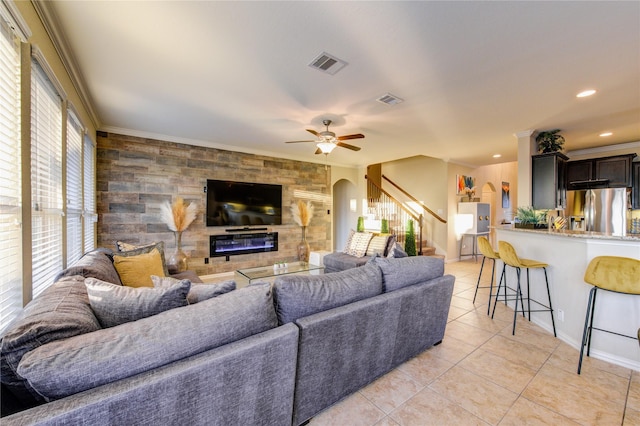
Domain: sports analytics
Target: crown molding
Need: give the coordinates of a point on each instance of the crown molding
(606, 148)
(52, 26)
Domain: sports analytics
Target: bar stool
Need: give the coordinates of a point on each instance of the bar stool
(610, 273)
(488, 253)
(509, 257)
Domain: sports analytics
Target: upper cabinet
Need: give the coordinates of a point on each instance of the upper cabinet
(607, 172)
(548, 180)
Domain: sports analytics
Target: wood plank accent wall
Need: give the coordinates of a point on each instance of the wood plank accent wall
(135, 175)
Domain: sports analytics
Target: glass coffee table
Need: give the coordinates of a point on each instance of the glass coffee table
(269, 273)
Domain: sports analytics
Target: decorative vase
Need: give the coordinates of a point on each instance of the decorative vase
(303, 247)
(178, 260)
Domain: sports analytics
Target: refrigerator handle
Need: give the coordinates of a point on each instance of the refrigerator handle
(588, 210)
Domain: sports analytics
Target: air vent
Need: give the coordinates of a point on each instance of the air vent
(389, 99)
(327, 63)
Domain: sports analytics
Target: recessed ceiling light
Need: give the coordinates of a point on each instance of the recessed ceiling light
(605, 134)
(585, 93)
(497, 155)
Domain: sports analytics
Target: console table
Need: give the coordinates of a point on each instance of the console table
(269, 273)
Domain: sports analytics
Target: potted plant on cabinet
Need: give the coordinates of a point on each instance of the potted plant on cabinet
(549, 141)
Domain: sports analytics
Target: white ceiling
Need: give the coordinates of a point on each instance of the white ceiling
(235, 75)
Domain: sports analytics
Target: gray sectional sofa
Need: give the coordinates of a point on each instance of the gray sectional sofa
(266, 354)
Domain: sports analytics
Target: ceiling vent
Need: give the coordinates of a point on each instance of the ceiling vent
(327, 63)
(389, 99)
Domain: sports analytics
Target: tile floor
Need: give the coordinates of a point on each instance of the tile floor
(481, 375)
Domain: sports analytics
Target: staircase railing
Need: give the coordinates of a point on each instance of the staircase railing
(384, 206)
(412, 198)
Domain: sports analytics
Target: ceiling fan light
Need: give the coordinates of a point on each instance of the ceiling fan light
(326, 147)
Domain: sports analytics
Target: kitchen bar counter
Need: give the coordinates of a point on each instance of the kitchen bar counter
(568, 253)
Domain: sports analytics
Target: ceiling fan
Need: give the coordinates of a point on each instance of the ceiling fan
(327, 140)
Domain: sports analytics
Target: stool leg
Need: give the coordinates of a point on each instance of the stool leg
(493, 274)
(587, 326)
(515, 310)
(593, 310)
(479, 276)
(528, 297)
(504, 266)
(553, 322)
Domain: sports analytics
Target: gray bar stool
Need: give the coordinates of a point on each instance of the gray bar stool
(610, 273)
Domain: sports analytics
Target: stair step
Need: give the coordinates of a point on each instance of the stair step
(428, 251)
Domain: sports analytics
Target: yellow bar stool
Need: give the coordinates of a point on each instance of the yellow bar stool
(487, 253)
(610, 273)
(509, 257)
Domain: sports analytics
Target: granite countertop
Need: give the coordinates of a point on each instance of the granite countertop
(573, 234)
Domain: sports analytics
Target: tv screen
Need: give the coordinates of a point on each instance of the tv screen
(243, 204)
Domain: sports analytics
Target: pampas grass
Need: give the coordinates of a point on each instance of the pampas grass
(178, 216)
(302, 212)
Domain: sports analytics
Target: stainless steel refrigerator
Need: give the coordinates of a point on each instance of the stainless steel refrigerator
(599, 210)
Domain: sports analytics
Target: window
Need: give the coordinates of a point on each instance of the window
(89, 213)
(10, 196)
(46, 180)
(74, 189)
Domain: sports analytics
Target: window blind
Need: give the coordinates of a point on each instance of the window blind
(74, 189)
(89, 213)
(10, 196)
(46, 180)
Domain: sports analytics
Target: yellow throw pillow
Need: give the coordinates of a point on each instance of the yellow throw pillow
(136, 271)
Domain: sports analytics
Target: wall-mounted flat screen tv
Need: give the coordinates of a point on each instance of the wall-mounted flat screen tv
(243, 204)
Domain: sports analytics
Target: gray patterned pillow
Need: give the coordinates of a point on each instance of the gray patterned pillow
(114, 304)
(347, 245)
(148, 249)
(198, 292)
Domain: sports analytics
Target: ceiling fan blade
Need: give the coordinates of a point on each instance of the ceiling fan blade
(318, 151)
(313, 132)
(298, 141)
(351, 147)
(347, 137)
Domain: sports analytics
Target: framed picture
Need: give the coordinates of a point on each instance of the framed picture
(465, 185)
(505, 195)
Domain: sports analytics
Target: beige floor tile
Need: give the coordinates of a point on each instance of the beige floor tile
(529, 333)
(429, 408)
(566, 358)
(527, 355)
(387, 421)
(475, 394)
(633, 400)
(425, 367)
(355, 410)
(573, 397)
(460, 302)
(479, 319)
(508, 374)
(391, 390)
(525, 412)
(455, 313)
(452, 350)
(467, 333)
(631, 417)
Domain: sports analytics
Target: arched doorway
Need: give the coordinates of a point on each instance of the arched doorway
(489, 196)
(345, 211)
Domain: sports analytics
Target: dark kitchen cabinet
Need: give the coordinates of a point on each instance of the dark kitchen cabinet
(606, 172)
(635, 192)
(548, 181)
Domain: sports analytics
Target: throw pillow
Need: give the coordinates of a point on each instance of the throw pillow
(396, 251)
(198, 292)
(359, 244)
(136, 271)
(377, 245)
(348, 243)
(121, 246)
(146, 249)
(114, 304)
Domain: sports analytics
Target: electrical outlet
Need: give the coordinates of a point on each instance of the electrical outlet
(206, 260)
(560, 315)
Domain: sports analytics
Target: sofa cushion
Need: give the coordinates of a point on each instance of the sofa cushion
(60, 312)
(82, 362)
(396, 251)
(359, 244)
(298, 296)
(94, 264)
(136, 270)
(406, 271)
(116, 304)
(339, 261)
(198, 292)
